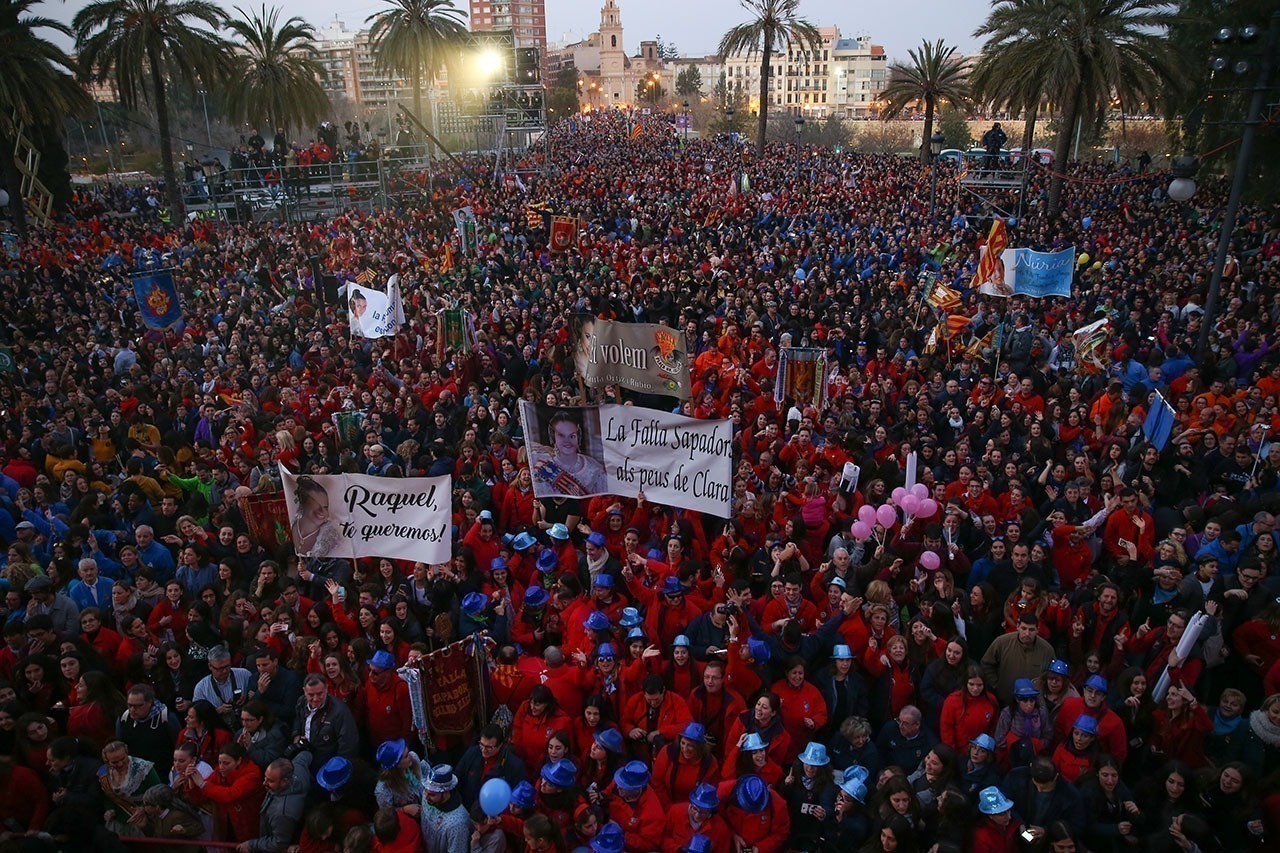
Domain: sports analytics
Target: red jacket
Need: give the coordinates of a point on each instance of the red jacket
(1111, 734)
(674, 778)
(642, 821)
(529, 734)
(408, 838)
(797, 704)
(990, 838)
(679, 831)
(388, 714)
(671, 718)
(1181, 739)
(238, 798)
(767, 832)
(777, 610)
(965, 717)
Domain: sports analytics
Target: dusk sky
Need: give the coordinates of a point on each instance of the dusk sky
(898, 25)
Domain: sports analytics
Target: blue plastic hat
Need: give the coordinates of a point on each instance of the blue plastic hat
(523, 541)
(335, 773)
(855, 788)
(752, 743)
(596, 540)
(1086, 724)
(630, 617)
(672, 586)
(605, 650)
(603, 580)
(992, 801)
(698, 843)
(1025, 688)
(842, 653)
(382, 659)
(681, 640)
(497, 563)
(815, 755)
(561, 773)
(473, 603)
(609, 839)
(752, 794)
(695, 732)
(1059, 667)
(547, 560)
(558, 531)
(705, 797)
(535, 596)
(759, 650)
(596, 621)
(1097, 682)
(523, 796)
(440, 779)
(632, 776)
(390, 753)
(610, 739)
(985, 741)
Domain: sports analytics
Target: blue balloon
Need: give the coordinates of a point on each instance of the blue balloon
(495, 796)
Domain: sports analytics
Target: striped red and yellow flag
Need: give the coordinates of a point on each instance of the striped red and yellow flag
(943, 297)
(636, 130)
(956, 323)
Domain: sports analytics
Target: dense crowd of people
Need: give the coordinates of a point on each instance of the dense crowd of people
(1071, 642)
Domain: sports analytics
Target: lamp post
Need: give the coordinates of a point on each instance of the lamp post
(935, 148)
(686, 122)
(799, 129)
(208, 132)
(1243, 159)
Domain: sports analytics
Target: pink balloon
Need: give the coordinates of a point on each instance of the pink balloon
(898, 494)
(862, 530)
(920, 490)
(867, 514)
(930, 560)
(910, 504)
(927, 508)
(887, 516)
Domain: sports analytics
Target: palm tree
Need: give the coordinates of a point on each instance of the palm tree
(1016, 93)
(141, 44)
(36, 88)
(1081, 54)
(417, 38)
(935, 75)
(775, 25)
(277, 75)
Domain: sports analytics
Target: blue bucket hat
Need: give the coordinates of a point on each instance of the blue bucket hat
(630, 617)
(842, 652)
(497, 563)
(672, 586)
(752, 794)
(681, 640)
(635, 634)
(596, 621)
(473, 603)
(523, 541)
(382, 659)
(535, 596)
(705, 797)
(610, 739)
(606, 650)
(1097, 682)
(596, 540)
(335, 773)
(993, 801)
(560, 773)
(815, 755)
(608, 839)
(558, 531)
(523, 796)
(390, 753)
(547, 560)
(632, 776)
(752, 743)
(1086, 724)
(603, 580)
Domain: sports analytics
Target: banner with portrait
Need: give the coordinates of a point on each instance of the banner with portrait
(580, 451)
(346, 516)
(371, 312)
(645, 357)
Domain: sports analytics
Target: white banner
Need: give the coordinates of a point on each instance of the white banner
(371, 312)
(579, 451)
(355, 515)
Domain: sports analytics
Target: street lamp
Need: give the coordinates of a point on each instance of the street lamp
(686, 121)
(935, 148)
(1261, 85)
(1183, 185)
(799, 128)
(208, 131)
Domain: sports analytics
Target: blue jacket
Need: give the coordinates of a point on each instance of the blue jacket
(79, 592)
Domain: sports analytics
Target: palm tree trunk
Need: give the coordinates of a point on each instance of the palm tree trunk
(417, 99)
(172, 189)
(1061, 150)
(766, 67)
(13, 183)
(926, 150)
(1028, 141)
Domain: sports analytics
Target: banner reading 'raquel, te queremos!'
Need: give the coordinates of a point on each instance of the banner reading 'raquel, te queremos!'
(354, 515)
(579, 451)
(645, 357)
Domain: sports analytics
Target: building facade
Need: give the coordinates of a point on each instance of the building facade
(526, 20)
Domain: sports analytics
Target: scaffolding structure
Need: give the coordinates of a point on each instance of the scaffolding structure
(998, 188)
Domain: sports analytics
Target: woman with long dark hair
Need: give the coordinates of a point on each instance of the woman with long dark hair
(98, 705)
(204, 728)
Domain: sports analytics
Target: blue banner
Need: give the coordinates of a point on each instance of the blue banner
(1159, 424)
(158, 299)
(1040, 274)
